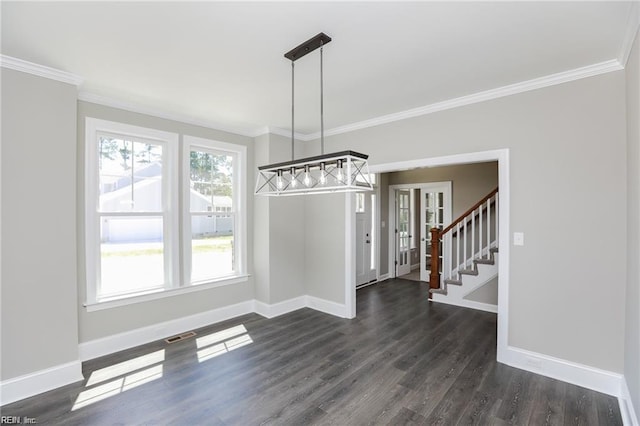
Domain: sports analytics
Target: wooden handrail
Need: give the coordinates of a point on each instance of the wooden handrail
(484, 208)
(468, 212)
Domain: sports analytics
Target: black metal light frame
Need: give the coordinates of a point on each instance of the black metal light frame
(344, 171)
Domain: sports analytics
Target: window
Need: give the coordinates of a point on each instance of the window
(134, 208)
(211, 210)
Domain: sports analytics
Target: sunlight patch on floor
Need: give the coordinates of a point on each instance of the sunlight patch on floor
(125, 367)
(128, 375)
(222, 342)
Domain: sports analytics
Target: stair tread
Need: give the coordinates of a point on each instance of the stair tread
(474, 272)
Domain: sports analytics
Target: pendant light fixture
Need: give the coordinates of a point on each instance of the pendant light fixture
(344, 171)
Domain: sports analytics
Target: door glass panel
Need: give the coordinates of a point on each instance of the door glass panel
(403, 227)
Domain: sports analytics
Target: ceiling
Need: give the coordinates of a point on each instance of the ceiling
(222, 62)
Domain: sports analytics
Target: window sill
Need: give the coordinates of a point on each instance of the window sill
(114, 303)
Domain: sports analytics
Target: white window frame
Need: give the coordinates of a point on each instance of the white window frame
(174, 210)
(239, 185)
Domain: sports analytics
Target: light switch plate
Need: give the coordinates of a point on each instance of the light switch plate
(518, 238)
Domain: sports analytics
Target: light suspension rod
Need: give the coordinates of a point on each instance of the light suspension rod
(321, 102)
(294, 54)
(293, 110)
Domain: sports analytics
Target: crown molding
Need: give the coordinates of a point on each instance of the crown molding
(261, 131)
(524, 86)
(40, 70)
(282, 132)
(132, 107)
(633, 24)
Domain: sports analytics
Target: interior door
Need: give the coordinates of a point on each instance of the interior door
(403, 236)
(435, 212)
(364, 236)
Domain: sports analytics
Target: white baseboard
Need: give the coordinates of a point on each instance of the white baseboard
(383, 277)
(31, 384)
(566, 371)
(326, 306)
(140, 336)
(466, 303)
(280, 308)
(629, 416)
(129, 339)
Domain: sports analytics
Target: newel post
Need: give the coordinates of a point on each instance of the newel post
(434, 275)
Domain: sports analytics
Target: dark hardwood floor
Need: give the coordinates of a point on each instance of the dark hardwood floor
(403, 360)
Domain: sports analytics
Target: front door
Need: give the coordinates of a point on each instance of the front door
(364, 238)
(403, 233)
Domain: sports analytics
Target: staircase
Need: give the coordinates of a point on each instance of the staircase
(467, 251)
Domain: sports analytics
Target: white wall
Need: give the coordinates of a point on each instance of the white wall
(632, 317)
(568, 179)
(39, 300)
(103, 323)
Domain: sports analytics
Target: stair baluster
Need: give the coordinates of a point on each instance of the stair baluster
(465, 261)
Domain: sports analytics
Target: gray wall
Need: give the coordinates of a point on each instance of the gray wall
(98, 324)
(39, 300)
(280, 225)
(325, 246)
(469, 183)
(487, 293)
(632, 318)
(261, 221)
(568, 177)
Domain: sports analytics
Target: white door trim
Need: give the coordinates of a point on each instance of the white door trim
(350, 255)
(500, 155)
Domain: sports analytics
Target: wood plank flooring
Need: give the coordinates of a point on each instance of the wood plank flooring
(402, 361)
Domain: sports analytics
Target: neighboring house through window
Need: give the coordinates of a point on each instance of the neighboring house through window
(134, 211)
(211, 216)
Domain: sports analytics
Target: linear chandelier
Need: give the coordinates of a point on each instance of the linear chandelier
(344, 171)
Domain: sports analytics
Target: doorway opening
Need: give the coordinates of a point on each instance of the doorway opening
(502, 158)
